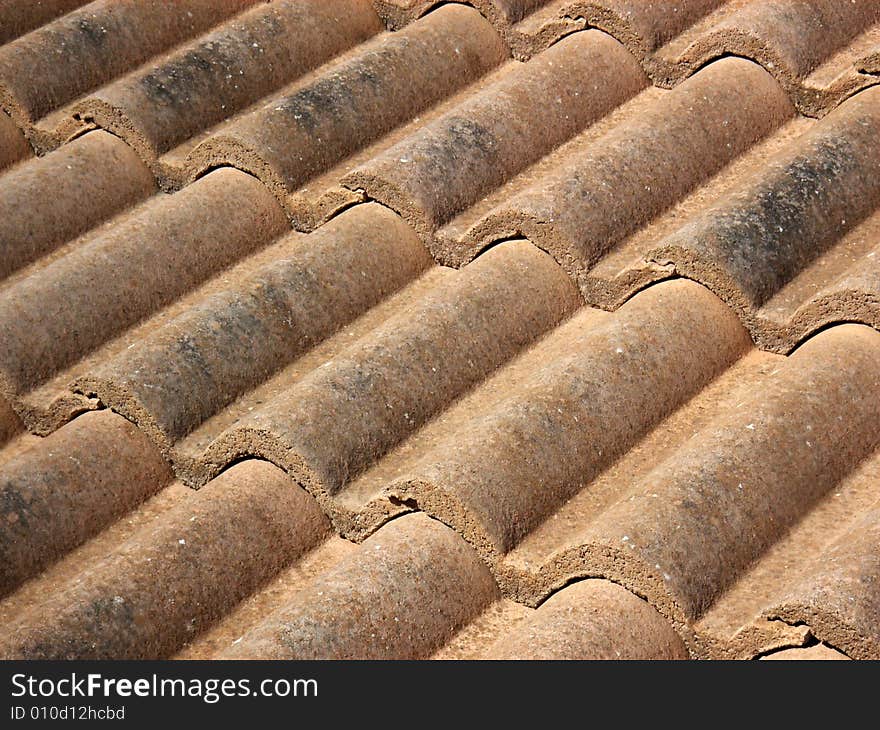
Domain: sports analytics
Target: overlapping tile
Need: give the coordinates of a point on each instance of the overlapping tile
(63, 309)
(97, 177)
(451, 163)
(13, 145)
(595, 191)
(821, 51)
(639, 482)
(162, 105)
(63, 490)
(94, 43)
(591, 619)
(324, 120)
(17, 17)
(187, 370)
(178, 574)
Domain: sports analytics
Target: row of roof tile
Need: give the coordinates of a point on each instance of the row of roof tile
(820, 52)
(728, 493)
(639, 447)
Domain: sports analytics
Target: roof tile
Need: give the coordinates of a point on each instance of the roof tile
(97, 42)
(162, 104)
(69, 487)
(177, 574)
(159, 251)
(348, 612)
(324, 120)
(591, 619)
(448, 164)
(53, 199)
(599, 443)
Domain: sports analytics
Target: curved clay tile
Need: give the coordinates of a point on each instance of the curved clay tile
(581, 208)
(158, 252)
(178, 573)
(70, 486)
(51, 200)
(791, 209)
(402, 595)
(392, 381)
(677, 537)
(232, 341)
(344, 107)
(88, 47)
(591, 619)
(838, 599)
(449, 164)
(160, 105)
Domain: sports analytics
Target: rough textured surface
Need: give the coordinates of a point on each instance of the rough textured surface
(579, 210)
(177, 575)
(821, 51)
(201, 361)
(590, 403)
(323, 121)
(160, 106)
(344, 416)
(68, 488)
(159, 251)
(52, 200)
(450, 163)
(17, 17)
(13, 145)
(97, 42)
(840, 599)
(792, 209)
(592, 619)
(559, 442)
(405, 592)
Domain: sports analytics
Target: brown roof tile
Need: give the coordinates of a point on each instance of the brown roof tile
(495, 430)
(13, 145)
(160, 105)
(191, 367)
(348, 611)
(17, 17)
(94, 43)
(53, 199)
(449, 164)
(159, 251)
(324, 120)
(821, 51)
(591, 619)
(177, 574)
(67, 488)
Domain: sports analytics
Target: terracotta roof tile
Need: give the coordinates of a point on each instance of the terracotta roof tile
(178, 574)
(592, 619)
(94, 43)
(324, 120)
(160, 105)
(191, 367)
(573, 351)
(348, 611)
(57, 197)
(821, 51)
(159, 251)
(69, 487)
(17, 17)
(13, 145)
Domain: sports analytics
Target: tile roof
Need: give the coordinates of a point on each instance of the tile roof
(398, 329)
